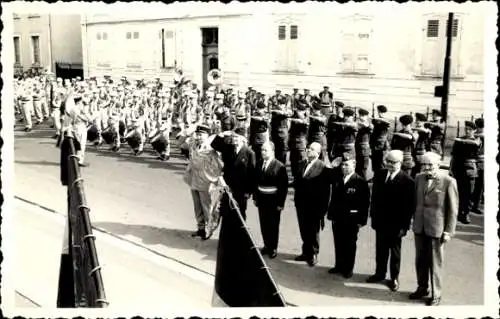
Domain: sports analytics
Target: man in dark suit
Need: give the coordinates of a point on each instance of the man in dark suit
(391, 210)
(269, 197)
(434, 222)
(239, 168)
(348, 212)
(312, 195)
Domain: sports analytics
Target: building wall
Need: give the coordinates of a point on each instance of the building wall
(60, 39)
(250, 54)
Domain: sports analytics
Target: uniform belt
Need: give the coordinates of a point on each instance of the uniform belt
(470, 161)
(267, 189)
(347, 144)
(364, 144)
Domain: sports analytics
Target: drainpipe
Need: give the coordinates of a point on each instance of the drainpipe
(50, 45)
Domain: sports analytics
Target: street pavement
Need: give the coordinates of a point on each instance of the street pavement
(145, 201)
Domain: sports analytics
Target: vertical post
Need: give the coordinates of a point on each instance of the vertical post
(373, 109)
(427, 113)
(458, 128)
(446, 77)
(472, 118)
(395, 123)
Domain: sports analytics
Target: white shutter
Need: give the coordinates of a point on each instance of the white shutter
(348, 44)
(293, 46)
(170, 48)
(281, 37)
(455, 45)
(362, 40)
(432, 52)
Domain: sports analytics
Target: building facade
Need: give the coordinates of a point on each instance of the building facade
(393, 57)
(48, 41)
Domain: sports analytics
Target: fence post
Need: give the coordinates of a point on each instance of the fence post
(395, 123)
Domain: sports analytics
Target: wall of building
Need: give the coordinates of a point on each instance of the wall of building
(26, 26)
(251, 55)
(66, 38)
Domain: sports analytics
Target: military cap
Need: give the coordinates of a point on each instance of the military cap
(420, 117)
(436, 112)
(348, 111)
(470, 124)
(261, 105)
(326, 87)
(240, 116)
(306, 90)
(219, 96)
(406, 119)
(339, 104)
(479, 122)
(301, 105)
(381, 108)
(362, 112)
(202, 129)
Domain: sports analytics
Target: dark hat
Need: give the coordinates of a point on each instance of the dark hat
(420, 117)
(326, 87)
(278, 90)
(381, 108)
(436, 112)
(241, 131)
(406, 119)
(479, 122)
(202, 129)
(261, 105)
(346, 156)
(470, 124)
(339, 104)
(348, 111)
(362, 112)
(301, 105)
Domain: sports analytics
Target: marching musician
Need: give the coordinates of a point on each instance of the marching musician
(279, 130)
(75, 124)
(38, 96)
(25, 96)
(478, 192)
(463, 168)
(404, 140)
(307, 97)
(297, 136)
(422, 144)
(379, 142)
(326, 97)
(436, 125)
(269, 197)
(259, 130)
(362, 145)
(317, 126)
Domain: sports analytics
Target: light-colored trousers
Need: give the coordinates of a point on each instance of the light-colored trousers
(41, 109)
(201, 202)
(27, 109)
(429, 253)
(81, 135)
(56, 117)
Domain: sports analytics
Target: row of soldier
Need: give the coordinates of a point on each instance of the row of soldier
(147, 111)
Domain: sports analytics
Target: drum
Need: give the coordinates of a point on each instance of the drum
(159, 142)
(134, 140)
(92, 133)
(108, 136)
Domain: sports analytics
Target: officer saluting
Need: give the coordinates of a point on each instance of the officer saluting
(437, 132)
(404, 140)
(331, 129)
(297, 140)
(279, 130)
(379, 139)
(317, 127)
(423, 141)
(345, 132)
(362, 144)
(463, 167)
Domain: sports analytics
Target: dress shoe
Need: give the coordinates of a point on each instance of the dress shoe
(301, 258)
(464, 219)
(433, 301)
(83, 165)
(273, 253)
(393, 284)
(477, 211)
(312, 261)
(334, 270)
(264, 251)
(375, 279)
(198, 233)
(419, 294)
(347, 275)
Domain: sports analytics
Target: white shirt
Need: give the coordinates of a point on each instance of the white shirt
(346, 178)
(266, 164)
(308, 167)
(391, 176)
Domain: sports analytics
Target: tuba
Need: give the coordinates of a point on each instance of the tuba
(214, 77)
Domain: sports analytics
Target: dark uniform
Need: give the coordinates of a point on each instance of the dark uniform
(279, 134)
(227, 120)
(464, 168)
(437, 133)
(297, 137)
(259, 132)
(423, 142)
(404, 140)
(331, 131)
(479, 184)
(317, 132)
(379, 142)
(345, 136)
(362, 147)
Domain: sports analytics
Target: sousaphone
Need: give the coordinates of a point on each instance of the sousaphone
(214, 77)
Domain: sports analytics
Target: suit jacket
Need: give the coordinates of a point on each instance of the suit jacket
(349, 201)
(312, 191)
(392, 203)
(436, 208)
(275, 175)
(239, 169)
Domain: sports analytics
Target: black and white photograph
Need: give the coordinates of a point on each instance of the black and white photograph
(160, 159)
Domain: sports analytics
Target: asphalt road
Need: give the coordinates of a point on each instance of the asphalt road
(145, 201)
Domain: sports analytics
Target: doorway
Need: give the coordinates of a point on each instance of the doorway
(210, 52)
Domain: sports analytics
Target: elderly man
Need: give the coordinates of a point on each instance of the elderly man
(269, 197)
(348, 212)
(434, 223)
(312, 195)
(391, 211)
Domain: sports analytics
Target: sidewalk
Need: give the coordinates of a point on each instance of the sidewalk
(130, 276)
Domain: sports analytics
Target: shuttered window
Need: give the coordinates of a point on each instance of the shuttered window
(294, 32)
(17, 51)
(35, 45)
(168, 48)
(287, 47)
(432, 28)
(282, 32)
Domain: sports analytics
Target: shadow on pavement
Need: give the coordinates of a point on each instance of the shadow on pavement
(473, 232)
(287, 273)
(43, 163)
(35, 133)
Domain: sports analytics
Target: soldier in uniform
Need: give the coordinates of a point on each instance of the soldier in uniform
(26, 100)
(326, 97)
(423, 141)
(279, 130)
(379, 139)
(404, 140)
(463, 167)
(297, 135)
(317, 127)
(259, 131)
(307, 97)
(477, 195)
(436, 126)
(362, 145)
(345, 135)
(331, 133)
(223, 114)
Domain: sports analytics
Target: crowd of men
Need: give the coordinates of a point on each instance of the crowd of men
(335, 152)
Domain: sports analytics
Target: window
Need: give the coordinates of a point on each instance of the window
(128, 35)
(434, 45)
(286, 55)
(136, 35)
(168, 48)
(16, 16)
(101, 35)
(17, 51)
(35, 44)
(356, 44)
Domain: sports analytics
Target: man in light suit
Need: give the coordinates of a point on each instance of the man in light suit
(434, 223)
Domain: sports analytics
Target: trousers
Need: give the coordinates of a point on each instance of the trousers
(345, 236)
(269, 219)
(388, 244)
(201, 202)
(429, 262)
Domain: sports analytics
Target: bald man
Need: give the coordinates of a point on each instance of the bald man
(312, 196)
(391, 211)
(434, 222)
